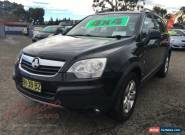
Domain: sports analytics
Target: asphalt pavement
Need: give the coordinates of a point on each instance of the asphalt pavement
(161, 102)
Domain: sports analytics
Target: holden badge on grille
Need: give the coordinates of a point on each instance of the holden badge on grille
(35, 63)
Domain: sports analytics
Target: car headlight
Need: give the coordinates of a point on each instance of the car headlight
(18, 57)
(89, 68)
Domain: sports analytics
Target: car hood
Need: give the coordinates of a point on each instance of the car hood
(65, 47)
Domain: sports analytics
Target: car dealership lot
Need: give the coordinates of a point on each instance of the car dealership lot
(161, 102)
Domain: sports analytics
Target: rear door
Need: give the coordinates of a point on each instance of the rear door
(162, 44)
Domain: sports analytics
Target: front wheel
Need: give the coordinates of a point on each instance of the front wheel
(126, 98)
(164, 69)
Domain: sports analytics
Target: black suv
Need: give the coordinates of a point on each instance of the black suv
(99, 64)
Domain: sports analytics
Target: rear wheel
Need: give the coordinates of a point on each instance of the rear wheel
(126, 99)
(164, 69)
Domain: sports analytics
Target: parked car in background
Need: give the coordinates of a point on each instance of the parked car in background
(66, 25)
(177, 38)
(178, 26)
(47, 31)
(67, 28)
(37, 30)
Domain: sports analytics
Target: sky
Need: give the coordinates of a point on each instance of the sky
(78, 9)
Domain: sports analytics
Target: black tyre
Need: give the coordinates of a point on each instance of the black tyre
(164, 69)
(125, 103)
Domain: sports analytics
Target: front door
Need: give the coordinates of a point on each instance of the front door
(150, 46)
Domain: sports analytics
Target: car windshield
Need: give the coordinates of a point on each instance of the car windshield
(50, 29)
(108, 26)
(176, 33)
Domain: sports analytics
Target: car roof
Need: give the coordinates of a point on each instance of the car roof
(118, 12)
(127, 12)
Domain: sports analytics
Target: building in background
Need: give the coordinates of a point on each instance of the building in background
(14, 27)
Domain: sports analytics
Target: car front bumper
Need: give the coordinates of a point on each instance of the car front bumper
(178, 46)
(58, 91)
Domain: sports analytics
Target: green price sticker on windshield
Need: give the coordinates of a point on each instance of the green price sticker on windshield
(108, 22)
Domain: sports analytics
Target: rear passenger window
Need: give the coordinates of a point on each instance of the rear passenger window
(159, 25)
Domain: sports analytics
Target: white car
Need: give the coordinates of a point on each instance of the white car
(177, 38)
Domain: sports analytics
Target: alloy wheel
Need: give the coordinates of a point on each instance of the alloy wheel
(166, 65)
(129, 96)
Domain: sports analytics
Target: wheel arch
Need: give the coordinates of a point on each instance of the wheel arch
(133, 68)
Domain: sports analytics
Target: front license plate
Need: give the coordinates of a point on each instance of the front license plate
(31, 85)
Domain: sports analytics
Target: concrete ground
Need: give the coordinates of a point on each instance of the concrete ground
(161, 102)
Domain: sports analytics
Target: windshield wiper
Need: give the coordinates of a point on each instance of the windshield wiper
(85, 35)
(118, 36)
(88, 35)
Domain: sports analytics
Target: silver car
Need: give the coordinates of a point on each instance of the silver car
(177, 38)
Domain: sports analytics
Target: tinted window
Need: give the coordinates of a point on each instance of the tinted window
(159, 25)
(60, 28)
(148, 24)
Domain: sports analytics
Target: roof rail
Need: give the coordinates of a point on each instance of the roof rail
(149, 10)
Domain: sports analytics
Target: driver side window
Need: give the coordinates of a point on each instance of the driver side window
(148, 24)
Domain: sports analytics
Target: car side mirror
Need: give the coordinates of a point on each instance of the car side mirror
(141, 39)
(154, 34)
(144, 38)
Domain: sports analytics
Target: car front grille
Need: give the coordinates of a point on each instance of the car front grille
(45, 68)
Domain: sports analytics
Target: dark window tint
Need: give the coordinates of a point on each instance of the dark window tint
(148, 24)
(159, 25)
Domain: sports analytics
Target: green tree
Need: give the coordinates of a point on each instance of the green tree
(36, 15)
(9, 10)
(114, 5)
(181, 18)
(182, 9)
(19, 11)
(57, 21)
(51, 22)
(160, 11)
